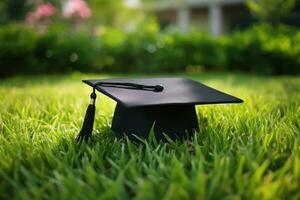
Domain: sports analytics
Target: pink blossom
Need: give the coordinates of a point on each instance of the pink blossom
(30, 17)
(76, 9)
(43, 11)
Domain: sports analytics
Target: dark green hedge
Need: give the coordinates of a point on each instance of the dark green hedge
(262, 49)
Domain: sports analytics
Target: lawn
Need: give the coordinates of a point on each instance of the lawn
(243, 151)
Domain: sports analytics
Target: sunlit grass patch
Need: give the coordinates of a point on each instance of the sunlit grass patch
(244, 151)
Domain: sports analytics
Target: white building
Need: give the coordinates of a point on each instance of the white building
(214, 16)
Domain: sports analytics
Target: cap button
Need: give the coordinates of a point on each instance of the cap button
(158, 88)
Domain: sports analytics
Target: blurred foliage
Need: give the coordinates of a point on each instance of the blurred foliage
(13, 10)
(262, 49)
(17, 50)
(114, 13)
(266, 49)
(106, 11)
(16, 10)
(271, 10)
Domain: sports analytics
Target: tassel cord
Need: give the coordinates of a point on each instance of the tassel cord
(88, 122)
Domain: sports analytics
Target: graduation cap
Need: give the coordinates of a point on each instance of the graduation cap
(166, 104)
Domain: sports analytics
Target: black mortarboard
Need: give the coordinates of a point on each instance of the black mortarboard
(166, 104)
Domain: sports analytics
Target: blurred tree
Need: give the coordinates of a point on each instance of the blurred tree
(106, 11)
(114, 13)
(13, 10)
(1, 12)
(271, 10)
(16, 10)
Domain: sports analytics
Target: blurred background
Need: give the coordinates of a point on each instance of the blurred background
(149, 36)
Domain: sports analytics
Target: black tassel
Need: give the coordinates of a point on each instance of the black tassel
(87, 126)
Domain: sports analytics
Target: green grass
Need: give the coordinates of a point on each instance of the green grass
(243, 151)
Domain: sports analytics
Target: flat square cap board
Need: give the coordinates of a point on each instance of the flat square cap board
(177, 91)
(169, 110)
